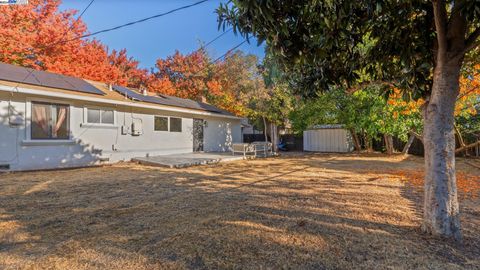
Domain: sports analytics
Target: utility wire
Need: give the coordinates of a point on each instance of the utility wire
(81, 14)
(137, 21)
(215, 39)
(213, 62)
(229, 51)
(107, 30)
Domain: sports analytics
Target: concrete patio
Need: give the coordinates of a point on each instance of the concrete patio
(187, 159)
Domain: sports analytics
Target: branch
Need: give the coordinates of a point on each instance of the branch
(463, 148)
(468, 92)
(471, 41)
(459, 135)
(418, 136)
(440, 17)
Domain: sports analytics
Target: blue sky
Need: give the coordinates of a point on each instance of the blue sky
(159, 37)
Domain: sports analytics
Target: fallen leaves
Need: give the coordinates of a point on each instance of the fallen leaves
(468, 185)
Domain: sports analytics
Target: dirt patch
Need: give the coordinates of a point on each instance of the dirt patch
(301, 211)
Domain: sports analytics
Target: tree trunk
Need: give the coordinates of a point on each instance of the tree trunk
(275, 138)
(265, 128)
(356, 140)
(409, 144)
(368, 143)
(441, 211)
(388, 144)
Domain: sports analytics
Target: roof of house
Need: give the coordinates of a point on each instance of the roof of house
(47, 82)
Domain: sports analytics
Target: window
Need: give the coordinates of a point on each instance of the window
(98, 116)
(161, 123)
(175, 124)
(50, 121)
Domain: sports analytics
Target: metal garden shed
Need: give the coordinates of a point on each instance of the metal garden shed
(327, 138)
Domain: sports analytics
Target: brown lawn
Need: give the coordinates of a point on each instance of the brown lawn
(293, 212)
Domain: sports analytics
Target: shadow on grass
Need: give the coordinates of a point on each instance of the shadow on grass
(305, 212)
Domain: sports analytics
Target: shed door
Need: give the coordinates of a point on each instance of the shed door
(197, 135)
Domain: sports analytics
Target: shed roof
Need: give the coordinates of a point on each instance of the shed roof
(330, 126)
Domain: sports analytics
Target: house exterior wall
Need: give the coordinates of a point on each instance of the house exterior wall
(333, 140)
(219, 135)
(92, 144)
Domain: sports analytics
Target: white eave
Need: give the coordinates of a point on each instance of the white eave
(128, 103)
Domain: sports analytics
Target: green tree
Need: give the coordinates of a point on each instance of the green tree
(418, 45)
(368, 111)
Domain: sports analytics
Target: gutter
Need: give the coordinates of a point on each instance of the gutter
(28, 91)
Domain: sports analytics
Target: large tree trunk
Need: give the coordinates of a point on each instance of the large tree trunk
(441, 211)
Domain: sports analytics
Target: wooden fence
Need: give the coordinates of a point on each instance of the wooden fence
(295, 143)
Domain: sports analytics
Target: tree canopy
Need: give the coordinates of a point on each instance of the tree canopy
(417, 46)
(324, 42)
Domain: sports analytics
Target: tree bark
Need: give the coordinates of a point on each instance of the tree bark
(356, 140)
(368, 143)
(441, 210)
(265, 129)
(388, 144)
(409, 144)
(275, 138)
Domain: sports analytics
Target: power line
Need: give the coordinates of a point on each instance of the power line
(229, 51)
(215, 39)
(137, 21)
(109, 29)
(213, 62)
(81, 14)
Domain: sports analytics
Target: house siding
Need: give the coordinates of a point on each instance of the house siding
(94, 144)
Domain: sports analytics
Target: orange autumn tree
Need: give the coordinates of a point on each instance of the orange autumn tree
(40, 36)
(465, 107)
(130, 72)
(241, 81)
(186, 76)
(469, 95)
(229, 83)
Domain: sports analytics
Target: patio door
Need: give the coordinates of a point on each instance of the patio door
(197, 135)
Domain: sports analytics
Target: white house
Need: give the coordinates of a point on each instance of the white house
(54, 121)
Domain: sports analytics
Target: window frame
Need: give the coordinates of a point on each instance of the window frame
(170, 124)
(161, 116)
(101, 109)
(31, 103)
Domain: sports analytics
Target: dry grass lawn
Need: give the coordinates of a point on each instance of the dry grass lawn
(293, 212)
